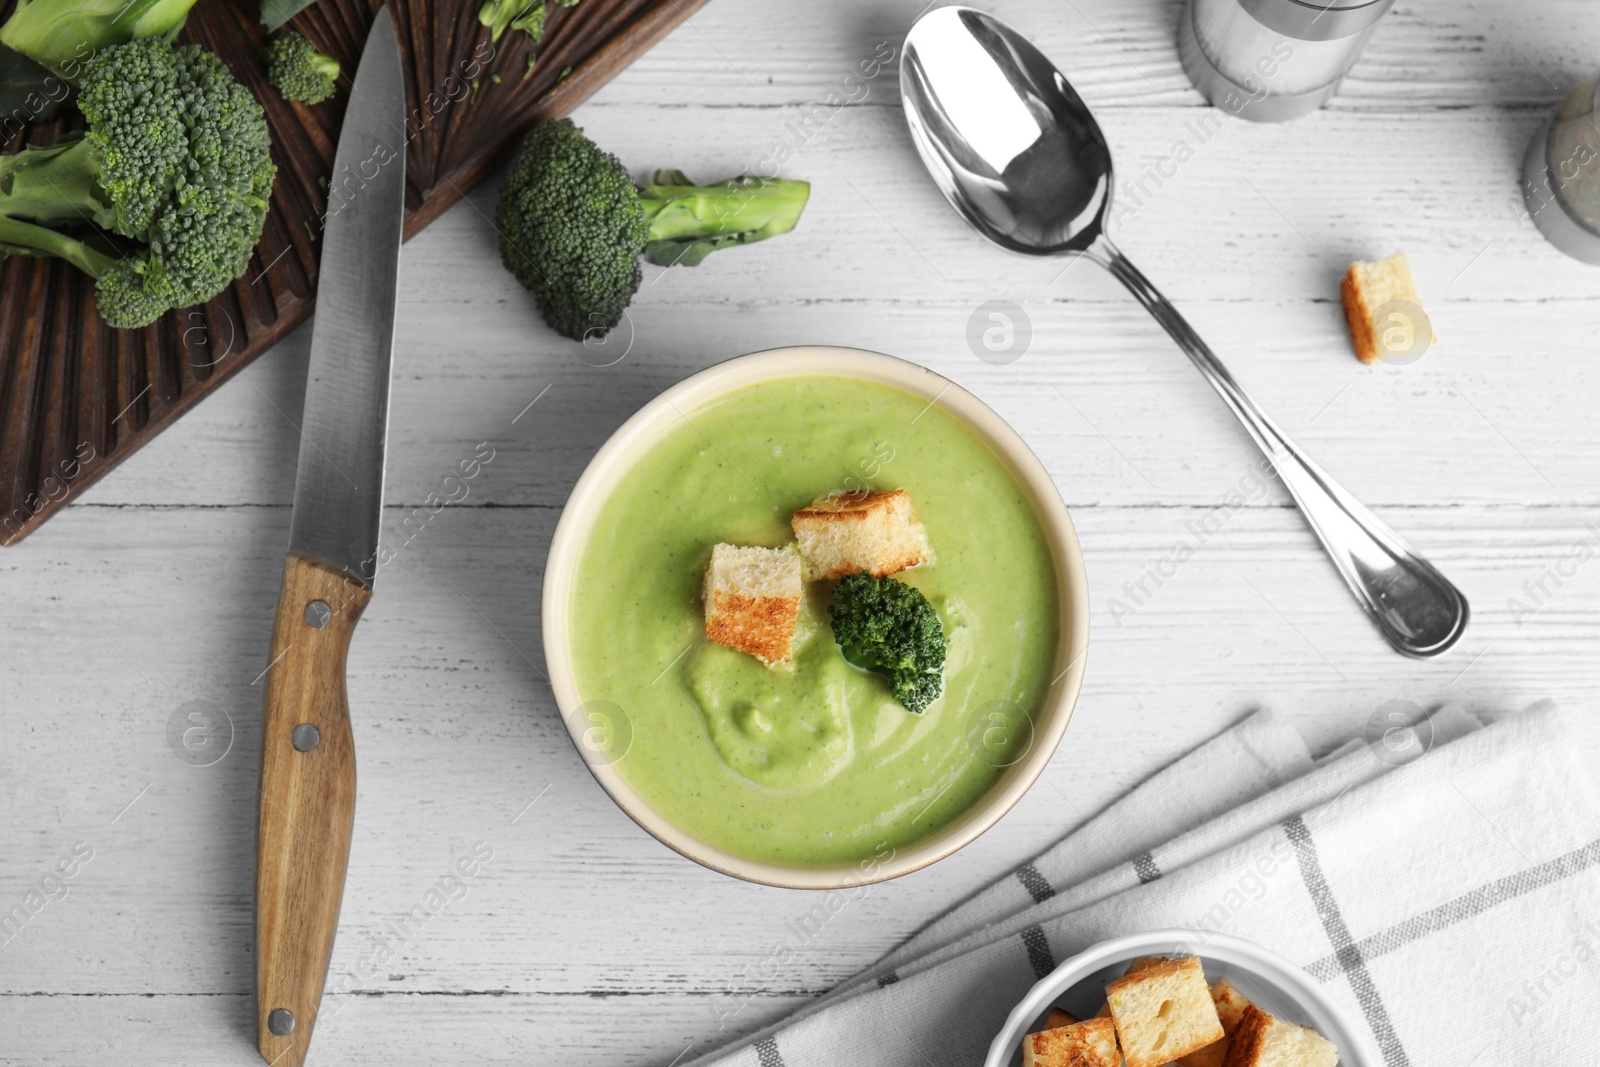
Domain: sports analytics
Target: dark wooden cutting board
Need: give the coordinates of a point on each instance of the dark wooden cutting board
(77, 397)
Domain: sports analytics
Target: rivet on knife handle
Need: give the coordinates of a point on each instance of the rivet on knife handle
(308, 803)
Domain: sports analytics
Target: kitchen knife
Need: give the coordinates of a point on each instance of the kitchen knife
(308, 771)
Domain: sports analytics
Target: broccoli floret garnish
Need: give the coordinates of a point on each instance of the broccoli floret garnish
(162, 198)
(298, 71)
(64, 34)
(503, 15)
(572, 225)
(889, 627)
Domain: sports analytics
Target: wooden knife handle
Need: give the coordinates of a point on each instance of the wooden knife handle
(308, 801)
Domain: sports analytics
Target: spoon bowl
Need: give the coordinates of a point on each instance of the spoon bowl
(1015, 150)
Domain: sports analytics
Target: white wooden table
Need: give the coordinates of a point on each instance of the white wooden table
(583, 940)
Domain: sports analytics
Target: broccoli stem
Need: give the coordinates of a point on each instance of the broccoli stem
(688, 222)
(24, 238)
(63, 34)
(326, 66)
(55, 184)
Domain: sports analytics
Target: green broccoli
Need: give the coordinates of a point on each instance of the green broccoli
(298, 71)
(162, 198)
(524, 15)
(889, 627)
(63, 34)
(572, 225)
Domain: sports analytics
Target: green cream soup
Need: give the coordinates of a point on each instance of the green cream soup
(814, 763)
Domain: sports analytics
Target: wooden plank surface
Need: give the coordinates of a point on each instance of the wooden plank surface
(582, 939)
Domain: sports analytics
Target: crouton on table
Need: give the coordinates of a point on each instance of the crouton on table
(752, 600)
(1384, 312)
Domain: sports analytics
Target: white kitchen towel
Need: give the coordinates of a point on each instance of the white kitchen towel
(1251, 815)
(1453, 903)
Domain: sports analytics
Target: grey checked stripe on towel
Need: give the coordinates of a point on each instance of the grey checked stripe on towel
(1452, 903)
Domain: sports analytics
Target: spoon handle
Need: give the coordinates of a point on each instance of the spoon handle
(1415, 607)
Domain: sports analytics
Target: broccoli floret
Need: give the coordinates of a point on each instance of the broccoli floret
(64, 34)
(571, 229)
(572, 225)
(298, 71)
(162, 198)
(503, 15)
(889, 627)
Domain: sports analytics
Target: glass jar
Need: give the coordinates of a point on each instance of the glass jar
(1561, 174)
(1273, 60)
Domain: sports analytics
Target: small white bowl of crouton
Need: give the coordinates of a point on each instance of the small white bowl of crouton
(694, 594)
(1178, 997)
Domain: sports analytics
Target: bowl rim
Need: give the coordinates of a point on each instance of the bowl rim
(1263, 964)
(654, 418)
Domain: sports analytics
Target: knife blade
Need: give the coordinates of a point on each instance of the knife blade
(308, 783)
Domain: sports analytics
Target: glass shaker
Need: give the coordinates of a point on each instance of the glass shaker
(1561, 174)
(1273, 60)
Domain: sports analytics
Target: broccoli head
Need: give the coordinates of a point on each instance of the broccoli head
(887, 626)
(298, 71)
(63, 34)
(572, 225)
(162, 198)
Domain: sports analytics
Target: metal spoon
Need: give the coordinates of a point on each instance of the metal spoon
(1017, 153)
